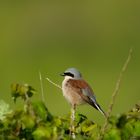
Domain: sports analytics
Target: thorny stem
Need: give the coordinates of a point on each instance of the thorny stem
(115, 93)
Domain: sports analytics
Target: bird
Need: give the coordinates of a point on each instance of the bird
(77, 91)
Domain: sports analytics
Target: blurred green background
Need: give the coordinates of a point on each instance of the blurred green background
(50, 36)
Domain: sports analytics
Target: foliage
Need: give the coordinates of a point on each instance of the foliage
(4, 109)
(37, 123)
(22, 91)
(125, 127)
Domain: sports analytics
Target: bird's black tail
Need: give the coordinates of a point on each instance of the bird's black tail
(97, 106)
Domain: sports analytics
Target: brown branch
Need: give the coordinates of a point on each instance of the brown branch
(115, 93)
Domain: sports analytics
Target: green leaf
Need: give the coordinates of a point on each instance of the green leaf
(41, 111)
(137, 128)
(113, 134)
(42, 133)
(21, 90)
(28, 121)
(4, 110)
(127, 131)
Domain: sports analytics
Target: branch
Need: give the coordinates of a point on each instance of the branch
(116, 91)
(41, 87)
(58, 86)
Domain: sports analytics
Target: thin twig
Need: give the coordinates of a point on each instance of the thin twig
(54, 83)
(41, 87)
(115, 93)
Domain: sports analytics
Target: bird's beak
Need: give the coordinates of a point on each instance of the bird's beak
(62, 74)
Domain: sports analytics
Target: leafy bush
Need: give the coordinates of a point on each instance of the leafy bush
(35, 122)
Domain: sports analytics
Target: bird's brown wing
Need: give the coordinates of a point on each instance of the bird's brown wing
(85, 91)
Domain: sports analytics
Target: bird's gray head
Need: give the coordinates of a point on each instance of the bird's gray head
(72, 72)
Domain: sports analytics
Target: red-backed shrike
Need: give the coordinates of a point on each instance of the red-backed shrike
(77, 91)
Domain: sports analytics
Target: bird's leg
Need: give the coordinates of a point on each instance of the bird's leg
(72, 127)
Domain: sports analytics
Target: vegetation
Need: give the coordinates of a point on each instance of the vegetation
(35, 122)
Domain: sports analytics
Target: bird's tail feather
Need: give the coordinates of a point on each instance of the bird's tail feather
(94, 103)
(97, 106)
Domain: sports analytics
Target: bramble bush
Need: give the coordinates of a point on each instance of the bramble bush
(35, 122)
